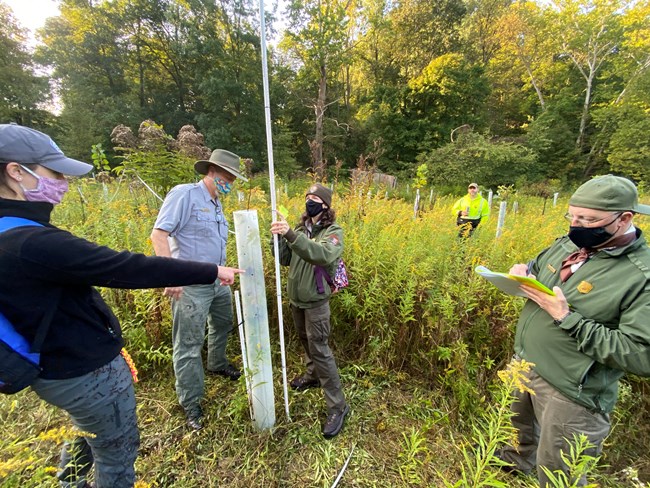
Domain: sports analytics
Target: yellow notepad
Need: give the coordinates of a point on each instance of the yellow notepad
(511, 284)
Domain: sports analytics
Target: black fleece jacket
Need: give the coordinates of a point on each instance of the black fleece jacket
(36, 263)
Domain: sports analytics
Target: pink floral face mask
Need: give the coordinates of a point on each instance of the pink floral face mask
(50, 190)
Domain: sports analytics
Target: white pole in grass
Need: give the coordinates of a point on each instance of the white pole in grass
(416, 204)
(256, 319)
(244, 358)
(345, 465)
(555, 195)
(502, 218)
(490, 199)
(276, 249)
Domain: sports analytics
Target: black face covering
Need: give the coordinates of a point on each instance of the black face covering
(313, 208)
(590, 237)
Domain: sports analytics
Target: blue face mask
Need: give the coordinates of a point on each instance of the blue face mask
(223, 186)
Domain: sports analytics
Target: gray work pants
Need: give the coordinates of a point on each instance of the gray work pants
(546, 423)
(102, 403)
(198, 304)
(313, 326)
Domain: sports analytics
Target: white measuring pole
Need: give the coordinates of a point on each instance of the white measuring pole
(276, 249)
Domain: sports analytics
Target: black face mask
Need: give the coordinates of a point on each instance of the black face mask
(313, 208)
(590, 237)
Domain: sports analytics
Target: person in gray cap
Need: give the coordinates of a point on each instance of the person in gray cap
(315, 244)
(191, 225)
(583, 338)
(49, 273)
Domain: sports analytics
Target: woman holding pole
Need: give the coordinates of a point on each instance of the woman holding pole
(312, 250)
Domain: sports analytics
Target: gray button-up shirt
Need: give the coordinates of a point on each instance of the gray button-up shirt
(197, 228)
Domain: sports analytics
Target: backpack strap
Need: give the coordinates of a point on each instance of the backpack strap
(321, 274)
(7, 223)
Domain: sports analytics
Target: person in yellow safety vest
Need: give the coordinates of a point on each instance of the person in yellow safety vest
(470, 211)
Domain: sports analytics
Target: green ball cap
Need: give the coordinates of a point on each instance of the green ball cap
(609, 192)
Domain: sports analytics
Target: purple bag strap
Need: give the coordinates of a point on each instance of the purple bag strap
(320, 274)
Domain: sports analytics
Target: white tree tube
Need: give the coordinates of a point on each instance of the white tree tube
(256, 319)
(502, 218)
(244, 357)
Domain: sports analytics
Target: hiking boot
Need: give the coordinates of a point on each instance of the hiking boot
(228, 372)
(508, 466)
(194, 418)
(301, 383)
(334, 423)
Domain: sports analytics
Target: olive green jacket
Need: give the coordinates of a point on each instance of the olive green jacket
(608, 331)
(302, 251)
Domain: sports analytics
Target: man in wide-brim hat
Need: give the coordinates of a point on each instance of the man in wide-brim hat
(191, 225)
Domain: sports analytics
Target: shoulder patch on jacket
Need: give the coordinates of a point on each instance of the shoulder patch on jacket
(334, 240)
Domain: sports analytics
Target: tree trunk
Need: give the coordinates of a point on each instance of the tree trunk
(538, 90)
(585, 112)
(143, 100)
(317, 144)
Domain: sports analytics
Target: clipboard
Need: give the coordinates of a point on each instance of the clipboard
(511, 284)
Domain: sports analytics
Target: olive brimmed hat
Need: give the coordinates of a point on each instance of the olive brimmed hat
(223, 159)
(609, 192)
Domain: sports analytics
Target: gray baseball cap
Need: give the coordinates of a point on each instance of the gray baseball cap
(28, 146)
(223, 159)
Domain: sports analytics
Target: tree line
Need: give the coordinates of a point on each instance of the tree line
(500, 91)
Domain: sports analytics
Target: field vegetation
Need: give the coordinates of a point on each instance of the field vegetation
(422, 342)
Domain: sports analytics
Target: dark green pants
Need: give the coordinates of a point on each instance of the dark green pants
(313, 326)
(546, 423)
(466, 227)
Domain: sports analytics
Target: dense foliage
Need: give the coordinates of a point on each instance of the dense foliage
(564, 83)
